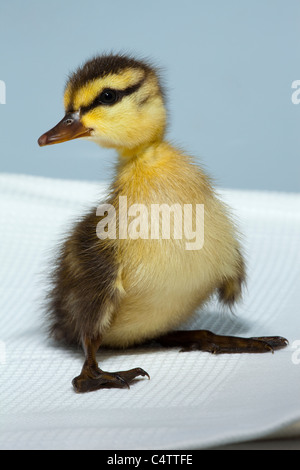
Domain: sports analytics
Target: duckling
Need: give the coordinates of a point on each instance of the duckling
(119, 291)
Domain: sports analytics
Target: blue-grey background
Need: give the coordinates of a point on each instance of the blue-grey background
(228, 66)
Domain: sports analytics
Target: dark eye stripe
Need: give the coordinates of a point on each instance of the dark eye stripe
(120, 95)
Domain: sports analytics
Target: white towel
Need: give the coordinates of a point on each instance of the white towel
(193, 400)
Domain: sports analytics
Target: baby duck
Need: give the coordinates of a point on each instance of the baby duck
(118, 291)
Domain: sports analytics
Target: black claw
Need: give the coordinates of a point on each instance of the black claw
(122, 380)
(274, 342)
(142, 372)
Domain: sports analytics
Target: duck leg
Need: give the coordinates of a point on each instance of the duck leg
(93, 378)
(204, 340)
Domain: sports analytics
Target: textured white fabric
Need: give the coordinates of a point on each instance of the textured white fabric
(193, 400)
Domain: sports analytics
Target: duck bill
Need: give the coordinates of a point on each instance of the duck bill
(69, 128)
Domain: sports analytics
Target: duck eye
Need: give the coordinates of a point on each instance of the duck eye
(108, 97)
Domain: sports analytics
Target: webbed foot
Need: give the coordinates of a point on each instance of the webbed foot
(204, 340)
(94, 379)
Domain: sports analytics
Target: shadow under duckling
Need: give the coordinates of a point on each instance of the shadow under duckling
(116, 290)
